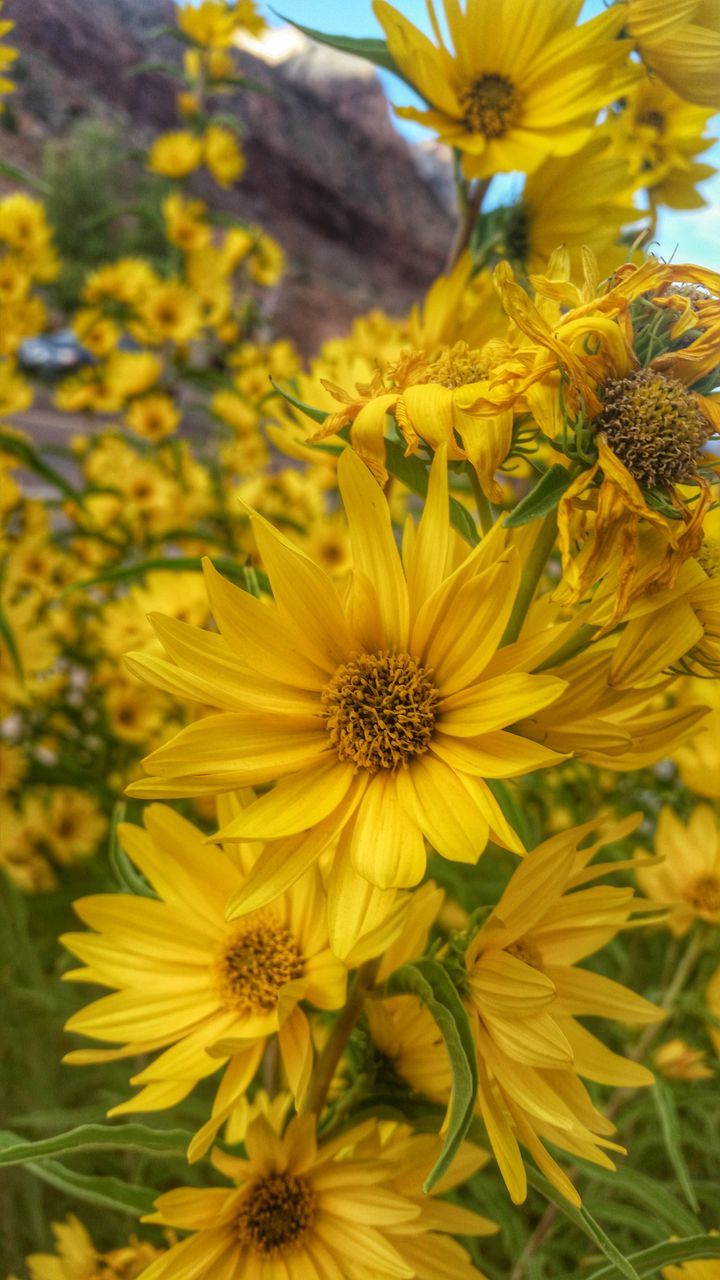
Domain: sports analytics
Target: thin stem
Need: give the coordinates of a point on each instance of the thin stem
(484, 510)
(470, 215)
(332, 1052)
(531, 576)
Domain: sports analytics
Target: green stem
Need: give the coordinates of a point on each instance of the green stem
(328, 1059)
(484, 510)
(532, 573)
(470, 214)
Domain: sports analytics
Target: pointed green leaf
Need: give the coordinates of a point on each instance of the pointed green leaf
(427, 980)
(543, 498)
(317, 415)
(94, 1137)
(664, 1101)
(370, 48)
(7, 635)
(649, 1261)
(583, 1219)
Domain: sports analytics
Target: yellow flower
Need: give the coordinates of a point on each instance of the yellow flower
(24, 227)
(677, 1060)
(125, 282)
(550, 213)
(379, 714)
(130, 373)
(267, 260)
(16, 394)
(632, 413)
(169, 313)
(660, 134)
(432, 400)
(99, 333)
(524, 994)
(698, 759)
(222, 155)
(75, 825)
(176, 154)
(505, 100)
(154, 417)
(132, 716)
(76, 1258)
(235, 410)
(687, 875)
(307, 1209)
(124, 623)
(7, 57)
(211, 24)
(185, 222)
(680, 43)
(212, 998)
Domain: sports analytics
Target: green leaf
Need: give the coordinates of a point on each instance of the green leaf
(670, 1128)
(649, 1261)
(177, 564)
(127, 877)
(20, 175)
(99, 1190)
(583, 1219)
(414, 473)
(7, 635)
(543, 498)
(427, 980)
(94, 1137)
(371, 48)
(631, 1184)
(317, 415)
(24, 452)
(155, 67)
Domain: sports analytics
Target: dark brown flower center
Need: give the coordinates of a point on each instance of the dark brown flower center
(704, 893)
(654, 426)
(490, 105)
(258, 958)
(276, 1214)
(380, 710)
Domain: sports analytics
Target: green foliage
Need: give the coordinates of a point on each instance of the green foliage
(427, 980)
(102, 205)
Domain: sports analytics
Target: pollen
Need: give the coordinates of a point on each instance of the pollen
(380, 710)
(704, 893)
(276, 1214)
(654, 426)
(257, 959)
(457, 367)
(490, 105)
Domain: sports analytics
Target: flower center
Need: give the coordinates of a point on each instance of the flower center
(704, 893)
(653, 119)
(276, 1214)
(258, 958)
(654, 426)
(457, 367)
(490, 105)
(380, 710)
(525, 951)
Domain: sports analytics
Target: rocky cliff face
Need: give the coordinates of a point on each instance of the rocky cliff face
(362, 222)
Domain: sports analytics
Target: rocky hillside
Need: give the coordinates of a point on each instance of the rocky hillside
(363, 218)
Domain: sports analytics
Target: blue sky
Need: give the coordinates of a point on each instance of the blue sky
(688, 237)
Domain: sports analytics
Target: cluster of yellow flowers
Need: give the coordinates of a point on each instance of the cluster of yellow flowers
(412, 633)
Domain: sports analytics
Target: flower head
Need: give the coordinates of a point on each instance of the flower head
(350, 1206)
(687, 875)
(507, 101)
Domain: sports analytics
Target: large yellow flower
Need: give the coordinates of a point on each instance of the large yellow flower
(680, 43)
(524, 994)
(348, 1207)
(373, 712)
(524, 82)
(687, 875)
(205, 993)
